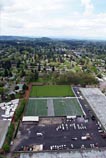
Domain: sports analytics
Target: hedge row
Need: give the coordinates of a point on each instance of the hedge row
(19, 111)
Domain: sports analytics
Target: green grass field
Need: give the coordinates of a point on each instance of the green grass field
(36, 108)
(51, 91)
(65, 107)
(62, 107)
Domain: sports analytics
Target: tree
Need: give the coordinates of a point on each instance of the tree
(7, 64)
(18, 63)
(12, 96)
(76, 78)
(10, 74)
(16, 87)
(6, 73)
(36, 75)
(53, 68)
(22, 74)
(1, 90)
(25, 87)
(39, 67)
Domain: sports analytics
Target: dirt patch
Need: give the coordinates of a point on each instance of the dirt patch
(27, 94)
(49, 121)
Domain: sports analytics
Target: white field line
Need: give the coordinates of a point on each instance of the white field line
(54, 98)
(79, 102)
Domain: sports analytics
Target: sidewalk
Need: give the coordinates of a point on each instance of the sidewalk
(27, 94)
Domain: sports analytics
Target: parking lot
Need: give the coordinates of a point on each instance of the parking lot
(71, 134)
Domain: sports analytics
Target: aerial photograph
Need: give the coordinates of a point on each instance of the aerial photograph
(52, 78)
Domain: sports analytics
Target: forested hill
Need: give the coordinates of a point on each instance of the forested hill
(79, 46)
(22, 38)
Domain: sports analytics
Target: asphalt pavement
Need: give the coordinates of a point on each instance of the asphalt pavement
(68, 135)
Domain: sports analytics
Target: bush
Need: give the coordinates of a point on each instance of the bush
(99, 75)
(12, 96)
(6, 147)
(1, 156)
(10, 133)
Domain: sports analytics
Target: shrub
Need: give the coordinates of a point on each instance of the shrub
(10, 133)
(1, 156)
(6, 147)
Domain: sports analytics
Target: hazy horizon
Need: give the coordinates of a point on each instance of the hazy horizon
(56, 37)
(69, 19)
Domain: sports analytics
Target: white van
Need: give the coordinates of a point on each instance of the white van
(84, 138)
(39, 134)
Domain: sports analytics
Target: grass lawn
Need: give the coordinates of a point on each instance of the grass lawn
(64, 107)
(36, 108)
(51, 91)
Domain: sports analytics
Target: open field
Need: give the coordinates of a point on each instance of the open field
(51, 91)
(53, 107)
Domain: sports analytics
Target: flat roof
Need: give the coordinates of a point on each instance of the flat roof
(20, 85)
(30, 118)
(71, 154)
(4, 124)
(97, 101)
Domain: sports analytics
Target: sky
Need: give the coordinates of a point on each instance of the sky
(80, 19)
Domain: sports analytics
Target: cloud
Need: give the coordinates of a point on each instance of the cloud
(5, 3)
(52, 18)
(32, 4)
(88, 6)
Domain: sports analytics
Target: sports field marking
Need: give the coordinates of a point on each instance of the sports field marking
(41, 98)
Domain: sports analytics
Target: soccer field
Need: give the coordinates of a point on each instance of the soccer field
(36, 108)
(55, 107)
(65, 107)
(51, 91)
